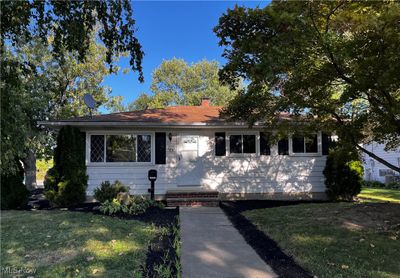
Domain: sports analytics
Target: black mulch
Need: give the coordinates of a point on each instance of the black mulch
(266, 248)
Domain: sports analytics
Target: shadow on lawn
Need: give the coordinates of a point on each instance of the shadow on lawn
(266, 248)
(160, 252)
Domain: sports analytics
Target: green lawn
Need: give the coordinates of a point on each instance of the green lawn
(41, 168)
(382, 194)
(74, 244)
(337, 239)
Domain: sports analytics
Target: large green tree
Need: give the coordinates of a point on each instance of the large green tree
(335, 63)
(176, 82)
(54, 91)
(72, 23)
(39, 75)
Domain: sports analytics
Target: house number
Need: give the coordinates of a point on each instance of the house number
(190, 141)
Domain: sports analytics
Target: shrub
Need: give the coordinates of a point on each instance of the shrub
(66, 183)
(393, 185)
(343, 173)
(13, 191)
(108, 191)
(373, 184)
(134, 205)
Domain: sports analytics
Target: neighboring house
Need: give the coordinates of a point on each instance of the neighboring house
(376, 171)
(191, 147)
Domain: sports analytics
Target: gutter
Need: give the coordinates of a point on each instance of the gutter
(114, 124)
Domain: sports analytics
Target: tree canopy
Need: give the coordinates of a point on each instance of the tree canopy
(72, 23)
(52, 91)
(176, 82)
(51, 53)
(334, 62)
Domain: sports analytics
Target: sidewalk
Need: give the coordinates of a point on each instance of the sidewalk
(212, 247)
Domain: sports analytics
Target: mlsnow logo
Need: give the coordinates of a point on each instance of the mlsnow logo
(13, 270)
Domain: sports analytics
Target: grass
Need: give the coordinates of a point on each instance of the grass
(336, 239)
(74, 244)
(41, 168)
(381, 194)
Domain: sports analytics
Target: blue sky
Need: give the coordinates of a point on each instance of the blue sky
(166, 29)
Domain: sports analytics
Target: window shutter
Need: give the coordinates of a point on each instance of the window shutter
(161, 148)
(220, 144)
(283, 147)
(265, 149)
(326, 143)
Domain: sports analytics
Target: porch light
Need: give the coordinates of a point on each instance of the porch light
(170, 136)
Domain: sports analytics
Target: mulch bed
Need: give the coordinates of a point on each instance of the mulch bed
(266, 248)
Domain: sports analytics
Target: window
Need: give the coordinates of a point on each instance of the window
(97, 148)
(144, 148)
(305, 144)
(120, 148)
(242, 143)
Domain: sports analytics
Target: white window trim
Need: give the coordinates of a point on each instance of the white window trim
(319, 146)
(107, 132)
(228, 143)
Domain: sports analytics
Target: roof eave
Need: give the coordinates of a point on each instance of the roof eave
(59, 124)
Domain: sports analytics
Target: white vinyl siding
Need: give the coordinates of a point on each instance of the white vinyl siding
(239, 173)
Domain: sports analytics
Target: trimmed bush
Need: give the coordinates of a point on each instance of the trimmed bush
(343, 173)
(13, 191)
(108, 191)
(66, 183)
(125, 204)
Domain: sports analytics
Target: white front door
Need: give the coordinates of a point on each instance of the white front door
(189, 170)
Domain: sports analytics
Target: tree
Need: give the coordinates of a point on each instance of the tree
(141, 103)
(334, 64)
(72, 23)
(175, 82)
(55, 91)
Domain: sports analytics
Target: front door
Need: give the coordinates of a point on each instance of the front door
(189, 168)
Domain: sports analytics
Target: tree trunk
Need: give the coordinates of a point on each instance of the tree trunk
(30, 169)
(377, 158)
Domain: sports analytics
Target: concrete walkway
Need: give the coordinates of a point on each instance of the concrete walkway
(212, 247)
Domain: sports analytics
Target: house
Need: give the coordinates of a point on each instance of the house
(192, 148)
(376, 171)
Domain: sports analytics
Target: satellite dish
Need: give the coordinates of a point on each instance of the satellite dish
(90, 102)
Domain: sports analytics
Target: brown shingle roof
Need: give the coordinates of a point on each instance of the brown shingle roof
(171, 114)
